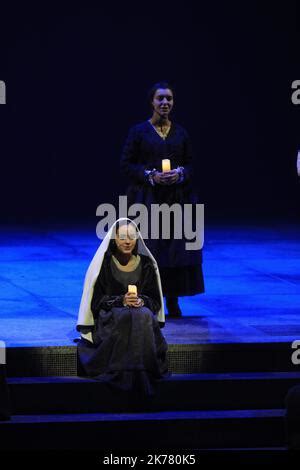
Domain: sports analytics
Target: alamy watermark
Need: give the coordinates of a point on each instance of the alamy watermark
(296, 94)
(188, 221)
(296, 354)
(2, 353)
(2, 92)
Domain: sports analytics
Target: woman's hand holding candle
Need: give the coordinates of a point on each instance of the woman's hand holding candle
(166, 177)
(132, 288)
(131, 299)
(171, 176)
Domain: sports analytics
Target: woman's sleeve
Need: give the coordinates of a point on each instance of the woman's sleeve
(150, 292)
(130, 165)
(100, 299)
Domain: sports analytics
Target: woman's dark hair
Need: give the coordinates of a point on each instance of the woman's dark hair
(156, 86)
(112, 244)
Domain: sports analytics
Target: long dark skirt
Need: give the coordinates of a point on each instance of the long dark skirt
(129, 350)
(182, 281)
(180, 269)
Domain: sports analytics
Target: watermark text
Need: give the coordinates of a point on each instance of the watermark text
(155, 223)
(2, 92)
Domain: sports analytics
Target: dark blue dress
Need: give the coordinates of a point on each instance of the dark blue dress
(129, 351)
(180, 269)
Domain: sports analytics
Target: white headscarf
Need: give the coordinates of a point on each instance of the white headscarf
(85, 316)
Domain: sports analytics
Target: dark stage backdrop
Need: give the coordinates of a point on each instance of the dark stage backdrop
(77, 79)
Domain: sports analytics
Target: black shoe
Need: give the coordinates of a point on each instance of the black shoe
(173, 307)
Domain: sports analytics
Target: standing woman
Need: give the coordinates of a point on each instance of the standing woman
(147, 144)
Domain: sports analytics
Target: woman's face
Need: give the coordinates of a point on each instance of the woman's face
(163, 101)
(126, 238)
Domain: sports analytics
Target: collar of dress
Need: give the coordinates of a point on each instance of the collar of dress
(131, 266)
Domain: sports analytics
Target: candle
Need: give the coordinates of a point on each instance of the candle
(166, 165)
(132, 288)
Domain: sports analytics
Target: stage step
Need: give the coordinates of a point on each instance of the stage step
(161, 430)
(41, 395)
(220, 396)
(183, 359)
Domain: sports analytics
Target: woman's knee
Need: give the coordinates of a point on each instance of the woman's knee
(145, 312)
(127, 312)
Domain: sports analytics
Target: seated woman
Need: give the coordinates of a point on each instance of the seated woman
(121, 341)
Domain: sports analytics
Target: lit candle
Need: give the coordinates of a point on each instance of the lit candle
(166, 165)
(132, 289)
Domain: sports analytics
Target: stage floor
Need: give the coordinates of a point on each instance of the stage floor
(252, 276)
